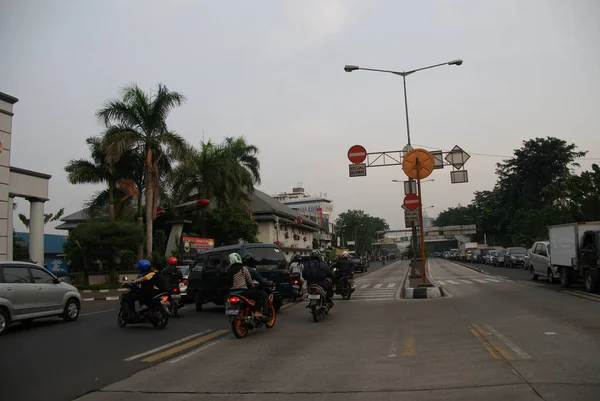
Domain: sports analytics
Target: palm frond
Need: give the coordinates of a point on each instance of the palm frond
(119, 139)
(85, 172)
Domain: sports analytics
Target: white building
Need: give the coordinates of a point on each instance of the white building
(317, 208)
(15, 183)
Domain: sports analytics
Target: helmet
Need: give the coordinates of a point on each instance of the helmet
(173, 260)
(234, 258)
(249, 260)
(296, 258)
(344, 255)
(144, 265)
(315, 254)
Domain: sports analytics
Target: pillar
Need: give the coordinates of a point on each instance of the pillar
(10, 234)
(176, 231)
(36, 231)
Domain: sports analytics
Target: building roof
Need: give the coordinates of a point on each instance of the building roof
(53, 243)
(262, 204)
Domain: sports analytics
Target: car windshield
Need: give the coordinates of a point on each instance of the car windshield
(184, 270)
(518, 251)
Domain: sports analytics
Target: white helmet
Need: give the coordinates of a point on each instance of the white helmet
(234, 258)
(344, 255)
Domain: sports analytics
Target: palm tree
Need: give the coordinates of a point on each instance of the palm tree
(137, 123)
(96, 171)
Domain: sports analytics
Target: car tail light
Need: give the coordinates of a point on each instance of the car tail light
(234, 300)
(164, 298)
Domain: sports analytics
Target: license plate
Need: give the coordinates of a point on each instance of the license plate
(314, 296)
(296, 287)
(232, 312)
(176, 296)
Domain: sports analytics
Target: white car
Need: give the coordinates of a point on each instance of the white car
(28, 291)
(539, 262)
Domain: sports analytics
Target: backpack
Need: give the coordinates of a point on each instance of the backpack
(313, 271)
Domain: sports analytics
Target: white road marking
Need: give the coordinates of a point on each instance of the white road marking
(480, 281)
(391, 285)
(87, 299)
(508, 342)
(377, 285)
(152, 351)
(550, 333)
(440, 282)
(95, 313)
(365, 286)
(103, 291)
(492, 280)
(466, 281)
(112, 298)
(452, 282)
(193, 352)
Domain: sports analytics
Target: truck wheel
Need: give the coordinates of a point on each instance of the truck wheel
(565, 278)
(591, 282)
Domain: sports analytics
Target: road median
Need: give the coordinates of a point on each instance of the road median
(413, 289)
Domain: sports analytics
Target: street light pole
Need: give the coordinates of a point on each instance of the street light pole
(350, 68)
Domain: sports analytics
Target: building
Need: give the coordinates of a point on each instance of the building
(319, 209)
(73, 220)
(279, 224)
(15, 183)
(427, 221)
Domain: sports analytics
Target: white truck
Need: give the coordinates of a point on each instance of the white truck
(463, 247)
(575, 253)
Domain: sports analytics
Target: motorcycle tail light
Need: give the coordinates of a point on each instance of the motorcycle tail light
(185, 281)
(296, 282)
(175, 289)
(234, 300)
(164, 298)
(313, 290)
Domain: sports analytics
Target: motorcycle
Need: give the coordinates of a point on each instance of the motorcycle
(317, 302)
(156, 314)
(240, 311)
(174, 301)
(345, 286)
(296, 287)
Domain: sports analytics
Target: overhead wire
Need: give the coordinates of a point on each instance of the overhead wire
(490, 155)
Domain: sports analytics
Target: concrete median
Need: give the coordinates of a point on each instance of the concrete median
(413, 288)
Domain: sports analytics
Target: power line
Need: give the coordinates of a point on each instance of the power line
(498, 156)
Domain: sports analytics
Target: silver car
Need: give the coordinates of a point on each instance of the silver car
(539, 262)
(28, 291)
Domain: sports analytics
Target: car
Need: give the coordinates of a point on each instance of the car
(514, 256)
(475, 255)
(498, 257)
(358, 265)
(208, 279)
(28, 291)
(483, 252)
(539, 262)
(490, 257)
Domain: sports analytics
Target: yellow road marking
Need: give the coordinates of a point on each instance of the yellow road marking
(185, 346)
(584, 296)
(409, 347)
(498, 349)
(287, 305)
(487, 346)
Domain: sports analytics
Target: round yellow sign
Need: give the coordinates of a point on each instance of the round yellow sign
(418, 163)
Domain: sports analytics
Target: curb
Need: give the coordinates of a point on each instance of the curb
(100, 299)
(470, 267)
(103, 291)
(421, 292)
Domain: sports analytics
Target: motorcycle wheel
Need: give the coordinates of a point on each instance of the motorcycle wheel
(277, 303)
(174, 309)
(273, 319)
(347, 294)
(163, 319)
(121, 321)
(238, 327)
(316, 313)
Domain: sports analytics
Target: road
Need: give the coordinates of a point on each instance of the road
(65, 360)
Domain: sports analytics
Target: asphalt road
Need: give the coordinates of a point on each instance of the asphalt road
(492, 339)
(61, 361)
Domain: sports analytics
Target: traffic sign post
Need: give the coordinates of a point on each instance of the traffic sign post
(357, 154)
(412, 201)
(422, 232)
(357, 170)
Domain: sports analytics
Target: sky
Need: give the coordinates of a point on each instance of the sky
(273, 72)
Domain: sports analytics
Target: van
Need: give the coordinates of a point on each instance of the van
(207, 280)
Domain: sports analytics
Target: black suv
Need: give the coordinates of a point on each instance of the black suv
(207, 280)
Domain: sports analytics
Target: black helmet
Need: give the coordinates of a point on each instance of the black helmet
(249, 260)
(315, 254)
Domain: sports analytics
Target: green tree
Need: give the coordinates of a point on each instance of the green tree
(363, 225)
(103, 244)
(117, 175)
(138, 122)
(228, 226)
(48, 217)
(20, 249)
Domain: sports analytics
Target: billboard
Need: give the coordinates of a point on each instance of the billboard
(192, 246)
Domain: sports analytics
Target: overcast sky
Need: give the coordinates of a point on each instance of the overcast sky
(273, 71)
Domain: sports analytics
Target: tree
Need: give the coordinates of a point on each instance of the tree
(106, 245)
(48, 217)
(364, 225)
(229, 226)
(115, 174)
(137, 122)
(20, 249)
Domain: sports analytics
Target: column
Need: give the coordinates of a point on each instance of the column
(36, 231)
(9, 249)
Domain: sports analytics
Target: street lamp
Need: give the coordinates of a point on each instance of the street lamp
(404, 74)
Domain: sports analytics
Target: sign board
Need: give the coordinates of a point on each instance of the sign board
(411, 201)
(459, 176)
(190, 247)
(358, 170)
(410, 187)
(349, 242)
(418, 164)
(357, 154)
(457, 157)
(57, 266)
(438, 159)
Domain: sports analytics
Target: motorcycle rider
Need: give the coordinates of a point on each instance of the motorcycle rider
(171, 273)
(241, 280)
(150, 285)
(249, 261)
(296, 267)
(318, 272)
(343, 266)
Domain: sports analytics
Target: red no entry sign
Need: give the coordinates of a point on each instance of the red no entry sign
(357, 154)
(411, 201)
